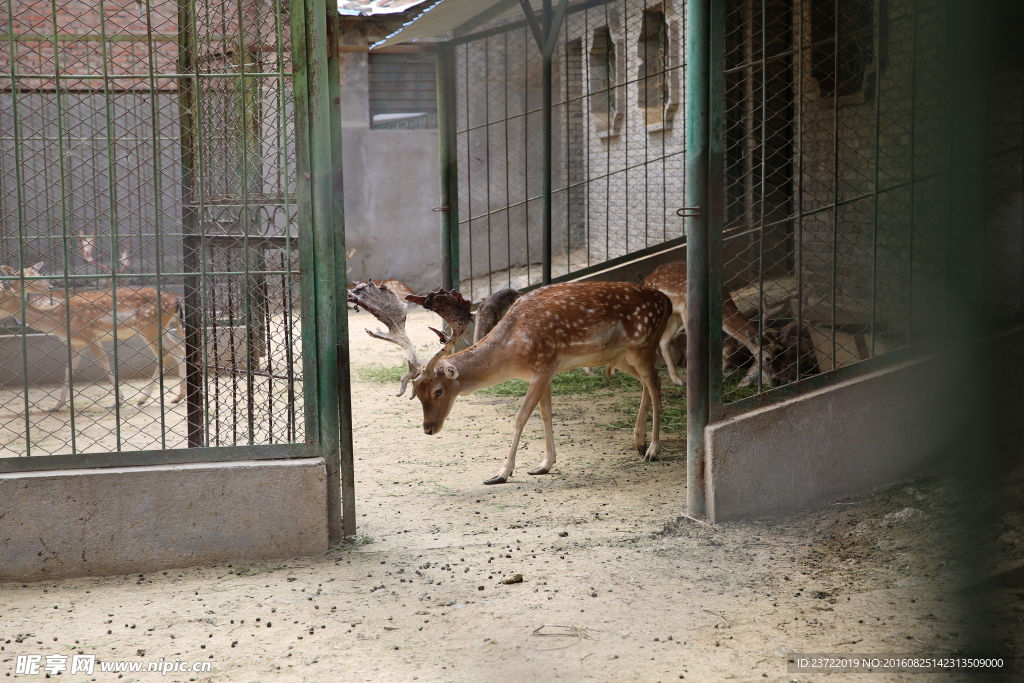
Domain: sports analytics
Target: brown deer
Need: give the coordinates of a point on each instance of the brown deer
(492, 311)
(85, 320)
(549, 330)
(670, 278)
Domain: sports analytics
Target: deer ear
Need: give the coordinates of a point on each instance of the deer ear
(451, 372)
(7, 269)
(38, 266)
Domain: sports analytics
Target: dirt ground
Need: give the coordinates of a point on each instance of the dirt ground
(616, 587)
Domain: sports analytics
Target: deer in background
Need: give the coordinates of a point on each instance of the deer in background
(492, 311)
(670, 278)
(545, 332)
(85, 320)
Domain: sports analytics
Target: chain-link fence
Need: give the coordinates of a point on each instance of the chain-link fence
(617, 143)
(838, 181)
(147, 165)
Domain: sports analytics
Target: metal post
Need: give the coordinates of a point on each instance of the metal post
(447, 142)
(545, 181)
(346, 479)
(697, 345)
(192, 256)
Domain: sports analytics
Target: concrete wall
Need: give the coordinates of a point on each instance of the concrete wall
(835, 442)
(392, 184)
(142, 519)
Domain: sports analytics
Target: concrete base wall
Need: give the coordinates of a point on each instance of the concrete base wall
(141, 519)
(839, 441)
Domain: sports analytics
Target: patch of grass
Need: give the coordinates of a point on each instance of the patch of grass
(380, 374)
(569, 383)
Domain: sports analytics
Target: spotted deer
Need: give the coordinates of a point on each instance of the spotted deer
(549, 330)
(670, 278)
(85, 320)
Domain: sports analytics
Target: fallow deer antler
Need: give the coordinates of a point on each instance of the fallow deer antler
(454, 309)
(385, 306)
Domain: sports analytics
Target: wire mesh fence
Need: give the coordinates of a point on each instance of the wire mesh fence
(147, 167)
(838, 181)
(617, 143)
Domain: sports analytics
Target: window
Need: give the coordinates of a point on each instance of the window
(603, 76)
(403, 91)
(843, 33)
(653, 93)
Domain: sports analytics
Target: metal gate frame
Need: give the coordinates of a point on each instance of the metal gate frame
(324, 334)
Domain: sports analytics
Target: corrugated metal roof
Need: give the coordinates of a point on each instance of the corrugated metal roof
(375, 7)
(444, 16)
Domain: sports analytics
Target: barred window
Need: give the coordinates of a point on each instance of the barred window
(603, 76)
(403, 91)
(652, 48)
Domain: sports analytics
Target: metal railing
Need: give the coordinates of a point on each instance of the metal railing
(616, 164)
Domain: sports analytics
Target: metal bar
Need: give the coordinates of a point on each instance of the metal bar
(546, 161)
(798, 148)
(835, 180)
(192, 257)
(44, 463)
(874, 208)
(448, 147)
(154, 113)
(307, 245)
(22, 238)
(325, 222)
(716, 205)
(111, 215)
(341, 512)
(480, 19)
(699, 25)
(64, 245)
(539, 34)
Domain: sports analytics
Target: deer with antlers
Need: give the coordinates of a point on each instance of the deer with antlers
(84, 320)
(549, 330)
(670, 278)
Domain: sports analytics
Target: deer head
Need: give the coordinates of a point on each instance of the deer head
(385, 305)
(27, 286)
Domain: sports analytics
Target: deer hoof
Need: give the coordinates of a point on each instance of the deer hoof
(651, 457)
(54, 409)
(540, 470)
(679, 382)
(496, 480)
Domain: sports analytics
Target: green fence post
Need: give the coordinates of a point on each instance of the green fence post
(448, 148)
(346, 507)
(697, 346)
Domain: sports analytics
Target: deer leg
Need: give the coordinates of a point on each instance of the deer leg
(178, 353)
(745, 333)
(674, 323)
(533, 395)
(549, 434)
(155, 379)
(75, 361)
(643, 370)
(101, 356)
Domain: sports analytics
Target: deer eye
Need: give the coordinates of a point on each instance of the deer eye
(437, 394)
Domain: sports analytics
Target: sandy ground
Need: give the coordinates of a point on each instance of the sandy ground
(615, 586)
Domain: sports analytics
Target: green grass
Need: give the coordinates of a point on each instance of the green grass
(380, 374)
(570, 383)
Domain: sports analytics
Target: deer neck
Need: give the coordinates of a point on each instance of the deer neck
(483, 365)
(46, 320)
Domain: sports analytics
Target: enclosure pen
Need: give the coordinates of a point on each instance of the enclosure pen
(176, 162)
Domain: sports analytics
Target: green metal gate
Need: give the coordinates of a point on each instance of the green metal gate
(859, 170)
(172, 165)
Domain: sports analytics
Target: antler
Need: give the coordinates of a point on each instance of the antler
(454, 309)
(386, 307)
(87, 245)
